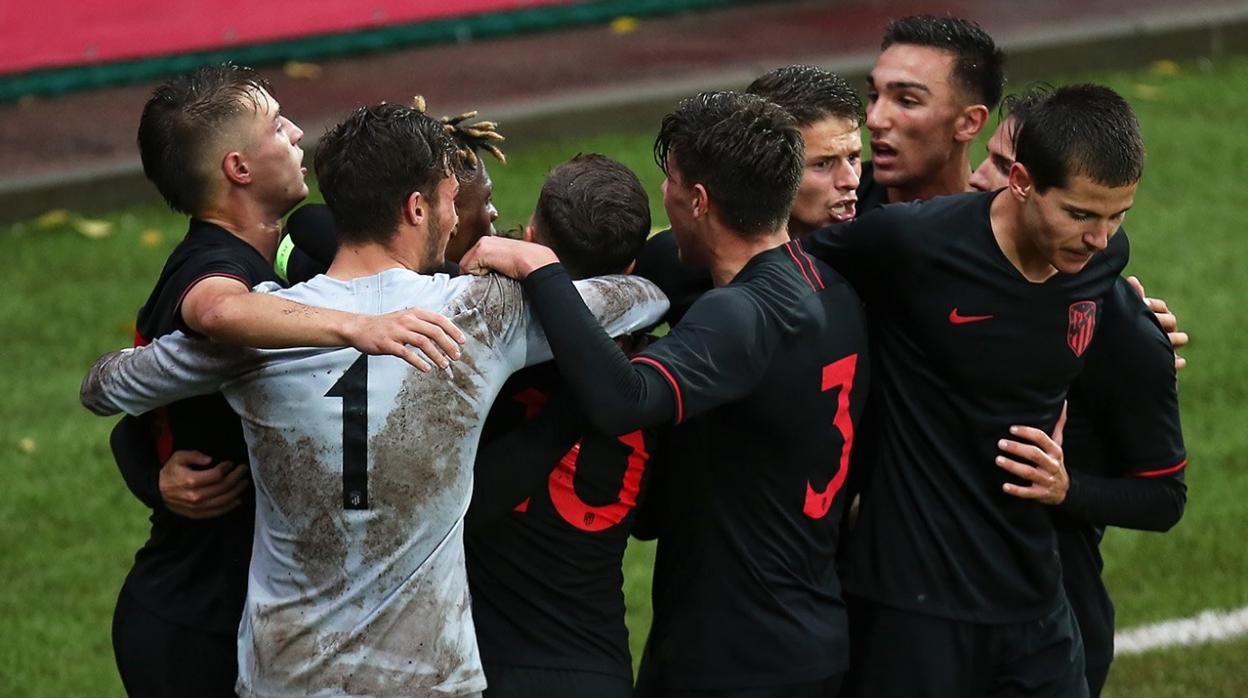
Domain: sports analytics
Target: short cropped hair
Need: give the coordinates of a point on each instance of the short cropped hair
(369, 165)
(809, 94)
(979, 65)
(745, 150)
(180, 122)
(1087, 130)
(593, 212)
(1017, 107)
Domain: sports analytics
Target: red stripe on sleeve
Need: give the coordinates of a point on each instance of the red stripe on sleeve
(788, 246)
(810, 260)
(1163, 471)
(680, 403)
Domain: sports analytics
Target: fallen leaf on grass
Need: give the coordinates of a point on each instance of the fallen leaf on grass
(151, 237)
(301, 71)
(1149, 92)
(1164, 67)
(93, 229)
(26, 445)
(52, 219)
(623, 25)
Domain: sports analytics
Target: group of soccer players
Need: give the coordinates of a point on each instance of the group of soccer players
(447, 532)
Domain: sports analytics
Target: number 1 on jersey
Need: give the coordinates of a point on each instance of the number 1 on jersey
(352, 387)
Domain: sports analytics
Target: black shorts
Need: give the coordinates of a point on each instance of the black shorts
(158, 658)
(1097, 674)
(507, 681)
(911, 655)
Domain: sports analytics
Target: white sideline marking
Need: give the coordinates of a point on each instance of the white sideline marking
(1209, 626)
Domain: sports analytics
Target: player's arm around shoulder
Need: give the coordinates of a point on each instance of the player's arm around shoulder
(224, 310)
(171, 368)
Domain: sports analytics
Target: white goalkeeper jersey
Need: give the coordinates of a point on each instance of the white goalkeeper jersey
(363, 472)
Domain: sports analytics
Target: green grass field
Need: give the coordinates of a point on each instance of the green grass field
(68, 527)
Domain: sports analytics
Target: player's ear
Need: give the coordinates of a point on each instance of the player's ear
(700, 202)
(631, 266)
(970, 122)
(235, 168)
(530, 232)
(414, 209)
(1020, 182)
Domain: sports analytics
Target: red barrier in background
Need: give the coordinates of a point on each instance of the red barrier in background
(58, 33)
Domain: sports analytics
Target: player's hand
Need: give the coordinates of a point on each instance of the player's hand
(1166, 317)
(1037, 458)
(395, 334)
(514, 258)
(201, 494)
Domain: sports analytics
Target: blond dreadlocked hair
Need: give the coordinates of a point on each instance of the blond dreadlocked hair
(469, 137)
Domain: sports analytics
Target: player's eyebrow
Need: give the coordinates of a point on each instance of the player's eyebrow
(907, 85)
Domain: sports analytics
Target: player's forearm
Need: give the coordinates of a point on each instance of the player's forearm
(265, 321)
(618, 396)
(172, 368)
(1141, 503)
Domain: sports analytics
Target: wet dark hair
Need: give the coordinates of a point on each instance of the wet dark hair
(1017, 107)
(809, 94)
(979, 66)
(1087, 130)
(745, 150)
(180, 121)
(370, 163)
(593, 212)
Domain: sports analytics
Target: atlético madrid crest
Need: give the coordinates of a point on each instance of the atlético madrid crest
(1081, 324)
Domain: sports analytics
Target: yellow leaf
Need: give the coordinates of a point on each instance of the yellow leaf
(1164, 67)
(128, 329)
(26, 445)
(151, 237)
(1148, 92)
(623, 25)
(93, 229)
(52, 219)
(301, 71)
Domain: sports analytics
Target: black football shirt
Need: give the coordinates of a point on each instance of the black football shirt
(545, 573)
(194, 572)
(765, 379)
(967, 347)
(1124, 450)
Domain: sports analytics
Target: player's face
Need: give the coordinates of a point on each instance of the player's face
(274, 157)
(1068, 225)
(678, 201)
(827, 193)
(442, 220)
(912, 112)
(475, 206)
(994, 172)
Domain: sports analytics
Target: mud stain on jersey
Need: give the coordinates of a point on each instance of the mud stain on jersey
(307, 494)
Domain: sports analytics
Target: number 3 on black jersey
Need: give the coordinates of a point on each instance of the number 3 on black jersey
(352, 387)
(838, 374)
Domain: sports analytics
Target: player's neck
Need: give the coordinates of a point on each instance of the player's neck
(953, 178)
(732, 251)
(354, 261)
(249, 223)
(1010, 231)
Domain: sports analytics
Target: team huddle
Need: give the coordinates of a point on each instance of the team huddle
(391, 453)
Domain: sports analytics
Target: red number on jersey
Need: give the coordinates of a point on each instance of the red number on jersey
(597, 518)
(838, 374)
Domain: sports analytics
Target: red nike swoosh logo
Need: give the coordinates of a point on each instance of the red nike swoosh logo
(963, 319)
